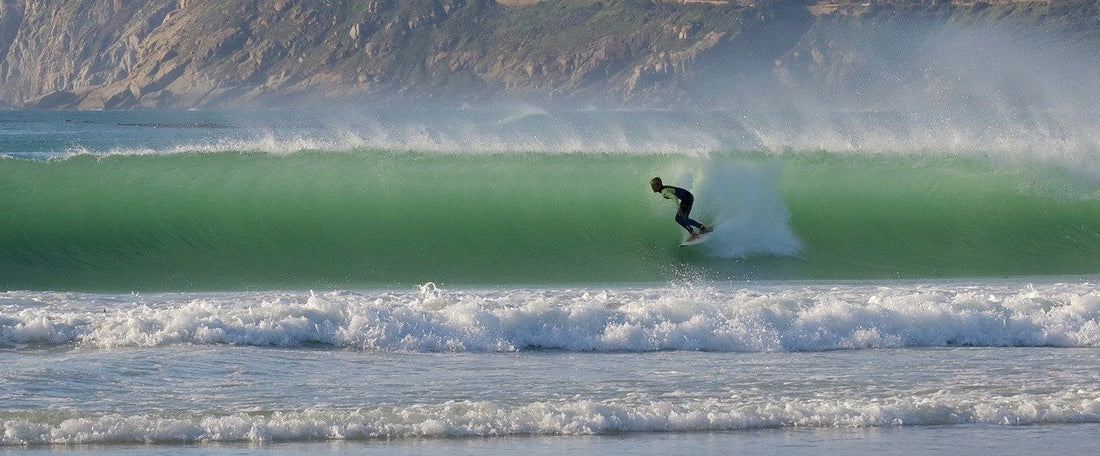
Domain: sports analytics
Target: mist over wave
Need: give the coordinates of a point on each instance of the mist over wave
(1066, 140)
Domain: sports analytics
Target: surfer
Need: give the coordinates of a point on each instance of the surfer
(685, 199)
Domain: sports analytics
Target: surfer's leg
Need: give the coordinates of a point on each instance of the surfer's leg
(685, 222)
(682, 216)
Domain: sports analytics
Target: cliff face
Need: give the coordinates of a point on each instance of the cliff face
(188, 53)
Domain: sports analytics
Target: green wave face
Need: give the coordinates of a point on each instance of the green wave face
(940, 217)
(369, 218)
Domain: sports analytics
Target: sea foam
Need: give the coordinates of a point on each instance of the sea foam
(430, 319)
(565, 417)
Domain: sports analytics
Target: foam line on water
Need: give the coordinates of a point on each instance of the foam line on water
(634, 319)
(566, 417)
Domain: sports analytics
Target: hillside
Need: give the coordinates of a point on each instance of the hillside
(95, 54)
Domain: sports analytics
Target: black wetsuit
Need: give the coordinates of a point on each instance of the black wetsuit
(686, 199)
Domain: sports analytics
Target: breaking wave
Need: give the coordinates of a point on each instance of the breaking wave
(810, 318)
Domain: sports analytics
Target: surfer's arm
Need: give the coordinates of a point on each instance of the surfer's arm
(670, 193)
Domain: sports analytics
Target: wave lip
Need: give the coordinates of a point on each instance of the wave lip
(633, 320)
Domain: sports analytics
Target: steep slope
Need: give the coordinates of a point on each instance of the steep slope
(180, 53)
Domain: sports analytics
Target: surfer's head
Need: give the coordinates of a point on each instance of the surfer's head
(656, 184)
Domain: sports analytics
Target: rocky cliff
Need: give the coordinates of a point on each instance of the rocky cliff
(191, 53)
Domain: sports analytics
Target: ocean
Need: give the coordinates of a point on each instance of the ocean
(491, 281)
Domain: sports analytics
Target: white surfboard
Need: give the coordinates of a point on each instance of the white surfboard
(698, 240)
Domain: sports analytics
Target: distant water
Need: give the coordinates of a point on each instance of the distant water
(486, 282)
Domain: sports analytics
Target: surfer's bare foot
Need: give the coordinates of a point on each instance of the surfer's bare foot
(692, 237)
(704, 230)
